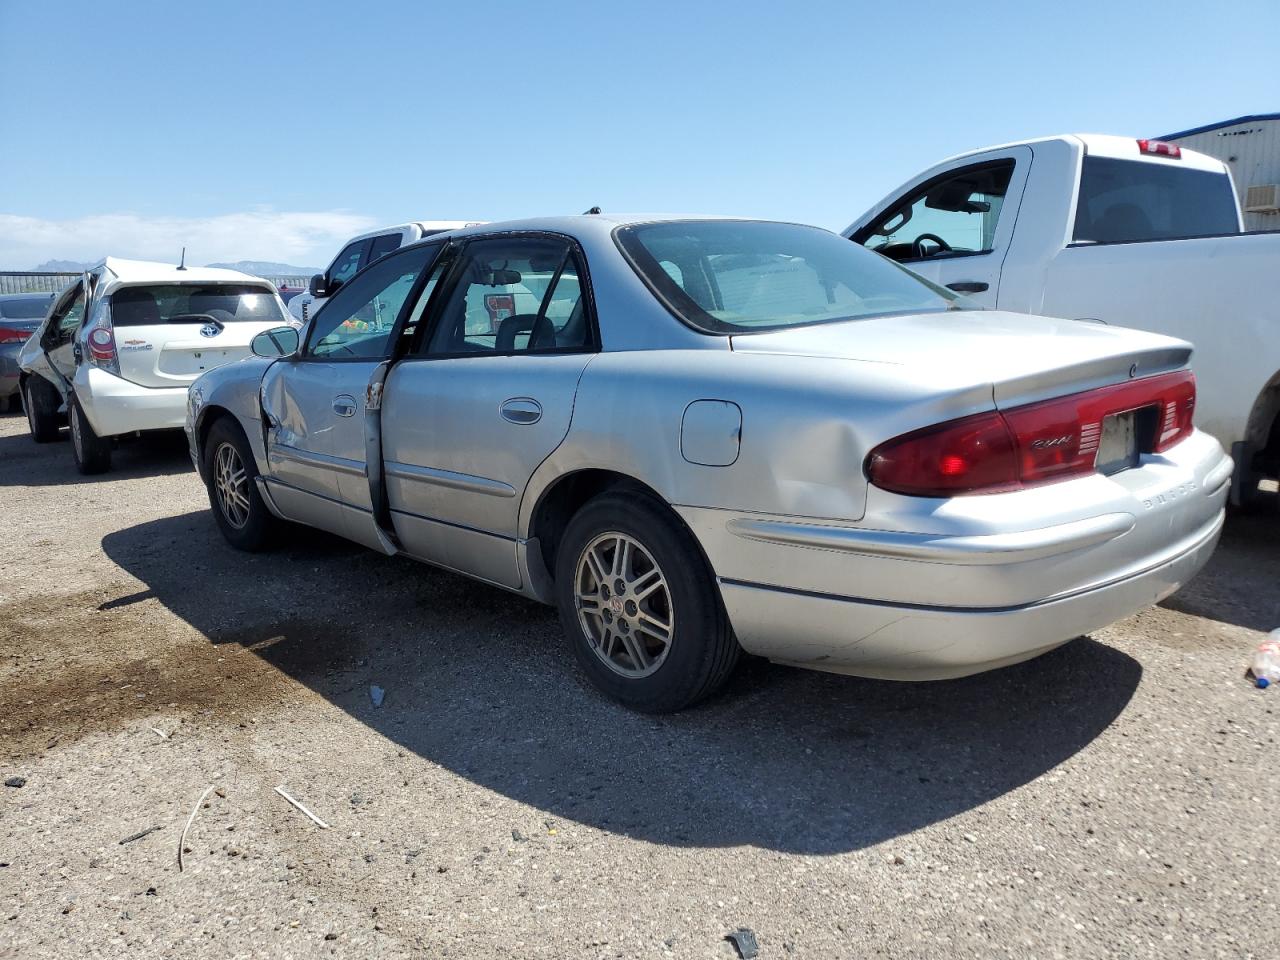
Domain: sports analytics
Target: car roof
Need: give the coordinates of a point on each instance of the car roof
(145, 271)
(581, 225)
(46, 295)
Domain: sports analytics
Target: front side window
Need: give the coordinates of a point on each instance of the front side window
(347, 263)
(383, 245)
(1128, 200)
(194, 303)
(955, 216)
(724, 276)
(358, 321)
(514, 295)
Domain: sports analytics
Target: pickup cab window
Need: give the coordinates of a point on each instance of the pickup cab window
(952, 216)
(1122, 201)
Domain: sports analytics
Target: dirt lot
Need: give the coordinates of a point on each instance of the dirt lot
(1114, 798)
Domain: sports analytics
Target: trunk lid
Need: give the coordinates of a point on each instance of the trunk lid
(1025, 358)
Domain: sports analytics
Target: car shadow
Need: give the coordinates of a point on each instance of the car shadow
(479, 681)
(26, 463)
(1227, 588)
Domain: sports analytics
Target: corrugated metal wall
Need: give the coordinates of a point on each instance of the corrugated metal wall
(1252, 150)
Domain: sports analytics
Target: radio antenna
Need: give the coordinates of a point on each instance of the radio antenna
(182, 264)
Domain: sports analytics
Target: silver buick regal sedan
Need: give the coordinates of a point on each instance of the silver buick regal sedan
(697, 437)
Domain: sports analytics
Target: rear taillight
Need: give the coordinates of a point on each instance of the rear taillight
(13, 335)
(1033, 444)
(100, 340)
(1158, 148)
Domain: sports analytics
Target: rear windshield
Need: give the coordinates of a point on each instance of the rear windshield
(193, 303)
(1126, 200)
(725, 276)
(26, 309)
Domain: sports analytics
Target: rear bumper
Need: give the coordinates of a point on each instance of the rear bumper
(928, 589)
(114, 406)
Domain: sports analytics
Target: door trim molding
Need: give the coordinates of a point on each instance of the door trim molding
(310, 458)
(449, 479)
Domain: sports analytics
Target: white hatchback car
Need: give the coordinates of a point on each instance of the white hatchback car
(118, 348)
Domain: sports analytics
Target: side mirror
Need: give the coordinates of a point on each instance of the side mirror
(275, 343)
(316, 287)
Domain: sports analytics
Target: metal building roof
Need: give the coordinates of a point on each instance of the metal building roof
(1252, 118)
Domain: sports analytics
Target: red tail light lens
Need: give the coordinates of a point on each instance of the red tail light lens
(1033, 444)
(12, 335)
(1158, 148)
(102, 345)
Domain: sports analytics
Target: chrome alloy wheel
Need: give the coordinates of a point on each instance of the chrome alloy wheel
(624, 605)
(231, 484)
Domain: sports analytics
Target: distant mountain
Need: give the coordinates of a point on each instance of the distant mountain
(63, 266)
(265, 268)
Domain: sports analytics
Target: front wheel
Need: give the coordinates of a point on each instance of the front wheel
(231, 477)
(640, 606)
(41, 401)
(92, 453)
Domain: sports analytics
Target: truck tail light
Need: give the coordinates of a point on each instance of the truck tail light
(1032, 444)
(1158, 148)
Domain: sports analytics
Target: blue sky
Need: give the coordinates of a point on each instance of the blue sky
(270, 130)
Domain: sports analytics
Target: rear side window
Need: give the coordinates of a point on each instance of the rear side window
(1127, 200)
(194, 303)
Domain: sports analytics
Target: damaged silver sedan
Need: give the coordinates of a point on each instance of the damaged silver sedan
(698, 437)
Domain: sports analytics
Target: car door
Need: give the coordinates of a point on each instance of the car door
(954, 228)
(57, 341)
(314, 404)
(484, 398)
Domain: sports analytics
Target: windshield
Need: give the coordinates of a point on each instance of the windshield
(27, 308)
(193, 303)
(724, 276)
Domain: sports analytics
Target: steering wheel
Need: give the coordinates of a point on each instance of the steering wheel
(917, 245)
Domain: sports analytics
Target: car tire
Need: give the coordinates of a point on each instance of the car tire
(231, 475)
(41, 402)
(92, 453)
(616, 635)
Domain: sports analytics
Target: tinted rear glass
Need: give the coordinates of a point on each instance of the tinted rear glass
(1124, 200)
(727, 276)
(33, 309)
(193, 303)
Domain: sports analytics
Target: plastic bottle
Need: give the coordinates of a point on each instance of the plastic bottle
(1266, 661)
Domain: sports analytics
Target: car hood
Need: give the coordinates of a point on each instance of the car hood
(1024, 357)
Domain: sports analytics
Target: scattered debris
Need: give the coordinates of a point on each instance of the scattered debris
(151, 892)
(16, 782)
(1264, 669)
(310, 816)
(377, 695)
(139, 835)
(744, 940)
(182, 841)
(160, 733)
(518, 837)
(331, 936)
(970, 838)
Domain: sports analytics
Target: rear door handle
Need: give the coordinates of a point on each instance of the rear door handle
(344, 406)
(969, 286)
(522, 410)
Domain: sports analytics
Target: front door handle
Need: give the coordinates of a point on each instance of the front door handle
(344, 406)
(522, 410)
(969, 286)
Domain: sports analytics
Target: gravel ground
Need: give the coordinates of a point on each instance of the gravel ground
(1111, 799)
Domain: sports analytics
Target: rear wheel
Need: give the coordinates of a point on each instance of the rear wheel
(231, 477)
(640, 607)
(41, 401)
(92, 453)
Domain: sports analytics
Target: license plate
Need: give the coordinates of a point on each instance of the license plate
(1118, 447)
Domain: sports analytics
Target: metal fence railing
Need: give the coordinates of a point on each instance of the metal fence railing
(29, 281)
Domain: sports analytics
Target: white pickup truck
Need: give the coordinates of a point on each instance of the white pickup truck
(1136, 233)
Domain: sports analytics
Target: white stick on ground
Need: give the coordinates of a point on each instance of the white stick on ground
(310, 816)
(160, 733)
(182, 840)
